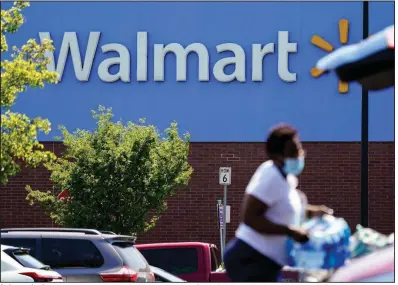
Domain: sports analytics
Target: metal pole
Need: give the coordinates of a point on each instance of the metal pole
(219, 204)
(224, 213)
(222, 246)
(365, 134)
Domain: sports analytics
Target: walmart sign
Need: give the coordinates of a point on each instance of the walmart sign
(83, 70)
(225, 71)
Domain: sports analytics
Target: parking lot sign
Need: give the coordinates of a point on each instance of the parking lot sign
(225, 176)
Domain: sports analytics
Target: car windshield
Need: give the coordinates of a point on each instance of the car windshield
(177, 261)
(131, 256)
(24, 258)
(8, 263)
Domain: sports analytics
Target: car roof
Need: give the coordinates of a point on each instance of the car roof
(57, 230)
(68, 233)
(175, 245)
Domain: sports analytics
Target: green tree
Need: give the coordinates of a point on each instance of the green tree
(26, 68)
(118, 175)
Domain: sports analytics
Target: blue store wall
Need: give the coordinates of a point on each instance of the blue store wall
(211, 111)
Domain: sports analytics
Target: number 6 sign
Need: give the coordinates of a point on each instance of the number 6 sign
(225, 176)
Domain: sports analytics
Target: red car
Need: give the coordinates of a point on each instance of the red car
(191, 261)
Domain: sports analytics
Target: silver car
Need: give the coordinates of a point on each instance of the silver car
(18, 266)
(83, 255)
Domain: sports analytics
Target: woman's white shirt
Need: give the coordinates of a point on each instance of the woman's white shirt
(284, 208)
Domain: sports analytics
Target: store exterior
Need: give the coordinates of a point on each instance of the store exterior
(226, 72)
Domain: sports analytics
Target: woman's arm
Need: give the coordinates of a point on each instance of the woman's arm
(253, 216)
(317, 211)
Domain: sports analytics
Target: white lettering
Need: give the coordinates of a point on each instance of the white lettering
(181, 55)
(257, 59)
(142, 56)
(284, 47)
(239, 60)
(123, 61)
(69, 42)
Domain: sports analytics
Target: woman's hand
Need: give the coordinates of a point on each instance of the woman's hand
(299, 235)
(322, 210)
(318, 211)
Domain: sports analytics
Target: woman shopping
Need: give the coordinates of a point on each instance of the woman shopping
(271, 212)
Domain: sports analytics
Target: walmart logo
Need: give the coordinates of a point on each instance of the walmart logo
(326, 46)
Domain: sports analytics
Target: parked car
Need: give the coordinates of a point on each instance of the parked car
(163, 276)
(18, 266)
(191, 261)
(195, 261)
(374, 267)
(83, 255)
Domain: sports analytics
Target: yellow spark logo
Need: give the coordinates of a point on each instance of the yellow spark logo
(326, 46)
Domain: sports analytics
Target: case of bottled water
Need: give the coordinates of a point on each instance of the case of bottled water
(328, 247)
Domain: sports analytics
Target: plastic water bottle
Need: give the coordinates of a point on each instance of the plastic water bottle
(327, 248)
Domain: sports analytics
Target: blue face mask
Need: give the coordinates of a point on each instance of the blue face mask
(294, 165)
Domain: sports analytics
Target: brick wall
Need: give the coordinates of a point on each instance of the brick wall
(331, 177)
